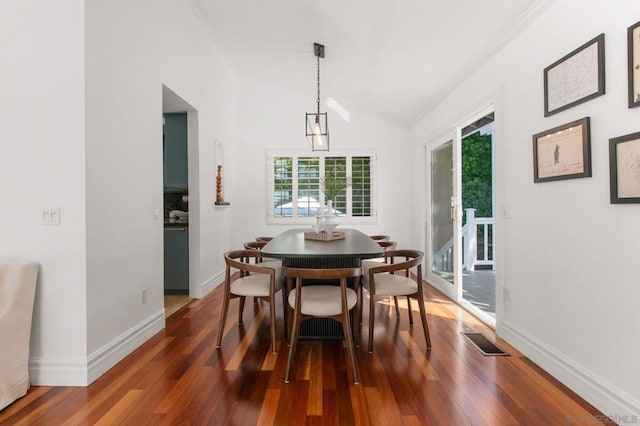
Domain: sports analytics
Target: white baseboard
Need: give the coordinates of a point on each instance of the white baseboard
(621, 407)
(212, 283)
(115, 351)
(46, 372)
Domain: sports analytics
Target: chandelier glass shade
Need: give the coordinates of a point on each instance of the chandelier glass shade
(317, 125)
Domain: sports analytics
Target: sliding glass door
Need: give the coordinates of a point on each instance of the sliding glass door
(444, 269)
(461, 250)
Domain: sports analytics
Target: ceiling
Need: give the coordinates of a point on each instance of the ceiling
(393, 60)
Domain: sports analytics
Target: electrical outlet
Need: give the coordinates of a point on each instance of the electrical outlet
(506, 211)
(506, 296)
(143, 296)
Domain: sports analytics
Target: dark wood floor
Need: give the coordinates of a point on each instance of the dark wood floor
(178, 377)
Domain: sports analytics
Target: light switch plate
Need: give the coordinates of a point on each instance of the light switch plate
(50, 216)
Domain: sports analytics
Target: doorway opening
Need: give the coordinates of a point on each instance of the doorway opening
(180, 153)
(478, 223)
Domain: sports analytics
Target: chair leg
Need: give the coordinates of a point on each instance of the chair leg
(272, 322)
(285, 310)
(348, 338)
(423, 316)
(356, 324)
(240, 309)
(290, 312)
(293, 343)
(395, 301)
(372, 302)
(409, 309)
(223, 318)
(357, 316)
(360, 301)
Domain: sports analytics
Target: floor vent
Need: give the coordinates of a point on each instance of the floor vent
(484, 344)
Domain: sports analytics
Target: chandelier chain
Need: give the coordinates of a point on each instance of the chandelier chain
(318, 74)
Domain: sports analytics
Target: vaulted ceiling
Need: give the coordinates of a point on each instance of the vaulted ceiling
(393, 60)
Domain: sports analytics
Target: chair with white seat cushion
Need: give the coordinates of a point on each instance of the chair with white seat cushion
(251, 279)
(376, 261)
(322, 301)
(267, 261)
(370, 263)
(394, 279)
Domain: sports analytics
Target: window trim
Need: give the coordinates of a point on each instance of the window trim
(351, 220)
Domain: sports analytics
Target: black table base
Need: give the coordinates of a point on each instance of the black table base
(323, 328)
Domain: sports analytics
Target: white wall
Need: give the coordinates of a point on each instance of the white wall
(567, 256)
(42, 166)
(87, 313)
(133, 48)
(269, 118)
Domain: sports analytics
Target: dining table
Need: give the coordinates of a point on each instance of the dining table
(299, 251)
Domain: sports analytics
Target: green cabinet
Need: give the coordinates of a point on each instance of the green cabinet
(174, 141)
(176, 260)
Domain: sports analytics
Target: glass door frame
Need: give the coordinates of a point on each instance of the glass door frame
(455, 290)
(452, 289)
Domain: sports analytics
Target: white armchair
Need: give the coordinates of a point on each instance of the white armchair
(17, 291)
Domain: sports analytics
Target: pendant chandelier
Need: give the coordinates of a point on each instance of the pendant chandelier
(316, 122)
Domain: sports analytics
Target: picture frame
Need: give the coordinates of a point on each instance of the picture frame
(624, 168)
(575, 78)
(633, 45)
(563, 152)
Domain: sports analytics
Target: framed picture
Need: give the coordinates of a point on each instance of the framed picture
(575, 78)
(563, 152)
(633, 42)
(624, 168)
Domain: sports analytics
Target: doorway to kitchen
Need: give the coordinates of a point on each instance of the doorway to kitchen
(179, 149)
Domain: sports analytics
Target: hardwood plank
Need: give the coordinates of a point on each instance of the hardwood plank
(330, 407)
(244, 344)
(179, 377)
(119, 411)
(314, 401)
(360, 408)
(269, 407)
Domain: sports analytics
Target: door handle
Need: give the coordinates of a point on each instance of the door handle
(453, 213)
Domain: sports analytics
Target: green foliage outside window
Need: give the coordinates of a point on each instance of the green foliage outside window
(476, 174)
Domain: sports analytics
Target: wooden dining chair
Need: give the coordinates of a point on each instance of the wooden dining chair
(384, 281)
(252, 279)
(264, 261)
(322, 301)
(258, 245)
(376, 261)
(369, 263)
(255, 245)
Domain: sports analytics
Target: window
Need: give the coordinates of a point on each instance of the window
(297, 183)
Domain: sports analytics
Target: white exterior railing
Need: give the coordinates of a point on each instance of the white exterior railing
(470, 240)
(443, 259)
